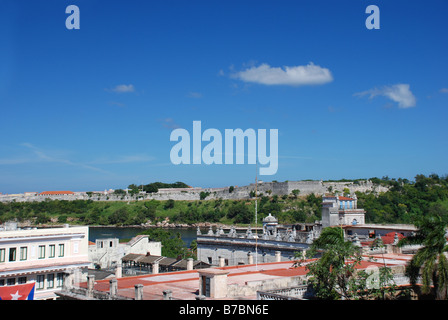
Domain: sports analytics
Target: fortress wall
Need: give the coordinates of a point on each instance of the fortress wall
(264, 188)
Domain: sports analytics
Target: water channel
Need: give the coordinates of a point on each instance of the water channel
(187, 234)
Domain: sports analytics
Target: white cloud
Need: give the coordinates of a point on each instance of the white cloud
(399, 93)
(169, 123)
(444, 90)
(310, 74)
(123, 88)
(194, 95)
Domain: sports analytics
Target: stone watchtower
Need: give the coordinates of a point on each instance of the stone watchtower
(341, 210)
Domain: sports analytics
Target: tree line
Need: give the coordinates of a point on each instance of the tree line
(404, 201)
(151, 187)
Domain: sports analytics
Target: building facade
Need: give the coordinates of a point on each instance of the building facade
(341, 210)
(274, 243)
(107, 252)
(48, 257)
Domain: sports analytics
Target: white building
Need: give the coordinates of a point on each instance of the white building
(48, 257)
(107, 252)
(340, 210)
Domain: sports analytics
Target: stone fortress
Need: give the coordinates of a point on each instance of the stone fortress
(191, 194)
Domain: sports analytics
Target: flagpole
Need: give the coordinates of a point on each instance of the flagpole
(256, 218)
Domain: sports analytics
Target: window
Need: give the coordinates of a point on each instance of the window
(61, 250)
(52, 253)
(2, 255)
(40, 282)
(60, 280)
(41, 252)
(206, 286)
(2, 282)
(12, 254)
(21, 280)
(50, 280)
(11, 281)
(23, 253)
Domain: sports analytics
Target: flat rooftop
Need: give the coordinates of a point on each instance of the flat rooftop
(184, 285)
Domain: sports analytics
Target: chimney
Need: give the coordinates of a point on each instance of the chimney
(278, 256)
(167, 295)
(190, 264)
(138, 292)
(90, 285)
(113, 287)
(118, 270)
(155, 268)
(250, 258)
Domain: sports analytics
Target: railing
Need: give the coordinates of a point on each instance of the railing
(294, 293)
(95, 295)
(263, 295)
(300, 293)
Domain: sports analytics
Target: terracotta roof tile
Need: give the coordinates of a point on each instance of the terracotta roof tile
(55, 192)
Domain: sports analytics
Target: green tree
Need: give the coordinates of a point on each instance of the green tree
(430, 260)
(376, 284)
(172, 245)
(133, 189)
(203, 195)
(329, 275)
(295, 193)
(42, 218)
(169, 204)
(119, 191)
(240, 213)
(119, 216)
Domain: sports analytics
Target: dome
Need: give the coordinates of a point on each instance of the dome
(270, 218)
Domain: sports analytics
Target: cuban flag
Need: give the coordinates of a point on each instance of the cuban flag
(18, 292)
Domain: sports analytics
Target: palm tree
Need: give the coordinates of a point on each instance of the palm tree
(330, 274)
(430, 261)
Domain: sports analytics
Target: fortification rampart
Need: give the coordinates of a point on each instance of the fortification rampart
(243, 192)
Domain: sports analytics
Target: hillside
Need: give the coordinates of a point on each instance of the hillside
(404, 200)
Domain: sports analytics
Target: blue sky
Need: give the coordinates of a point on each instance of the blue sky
(93, 109)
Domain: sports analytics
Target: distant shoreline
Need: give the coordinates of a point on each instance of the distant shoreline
(163, 226)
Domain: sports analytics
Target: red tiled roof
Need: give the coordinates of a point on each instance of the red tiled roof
(388, 238)
(345, 198)
(55, 192)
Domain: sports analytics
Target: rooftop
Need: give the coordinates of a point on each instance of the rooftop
(55, 192)
(396, 227)
(184, 285)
